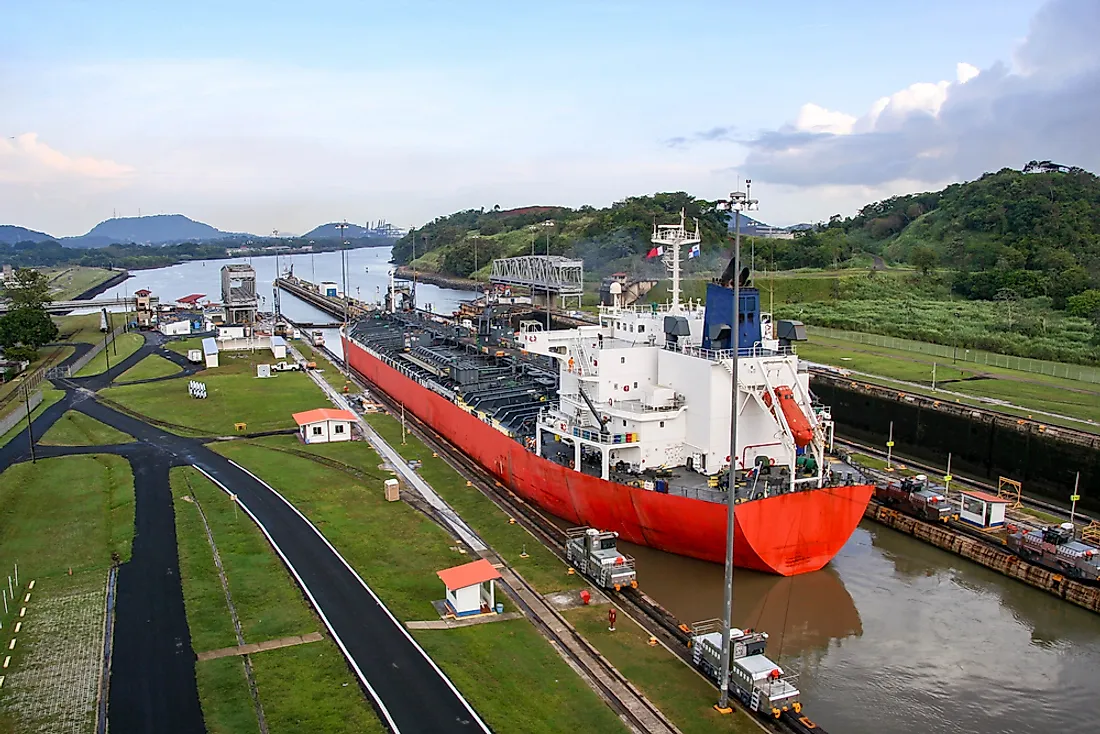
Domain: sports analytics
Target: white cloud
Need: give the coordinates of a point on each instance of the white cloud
(24, 159)
(950, 130)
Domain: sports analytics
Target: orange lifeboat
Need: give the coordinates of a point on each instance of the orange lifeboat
(796, 419)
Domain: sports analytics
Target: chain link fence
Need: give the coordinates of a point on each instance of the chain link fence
(1082, 373)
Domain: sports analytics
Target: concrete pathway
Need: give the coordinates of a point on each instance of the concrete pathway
(255, 647)
(457, 525)
(447, 624)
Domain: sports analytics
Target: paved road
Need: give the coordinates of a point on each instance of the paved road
(153, 652)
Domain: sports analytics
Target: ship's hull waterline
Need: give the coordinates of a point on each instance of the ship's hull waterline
(785, 534)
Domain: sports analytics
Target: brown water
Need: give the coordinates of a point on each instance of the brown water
(898, 636)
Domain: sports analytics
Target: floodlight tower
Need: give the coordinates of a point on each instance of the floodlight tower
(738, 202)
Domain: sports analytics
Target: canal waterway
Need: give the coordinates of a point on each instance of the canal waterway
(893, 636)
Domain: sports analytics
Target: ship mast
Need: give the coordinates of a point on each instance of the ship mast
(670, 238)
(739, 201)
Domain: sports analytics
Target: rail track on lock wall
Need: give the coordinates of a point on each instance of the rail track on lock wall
(937, 472)
(646, 612)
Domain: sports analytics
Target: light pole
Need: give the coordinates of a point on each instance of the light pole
(739, 201)
(343, 267)
(30, 423)
(312, 265)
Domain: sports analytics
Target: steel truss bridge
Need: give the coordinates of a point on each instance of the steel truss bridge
(62, 307)
(541, 273)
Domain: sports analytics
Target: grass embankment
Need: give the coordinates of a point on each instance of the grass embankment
(541, 568)
(305, 688)
(506, 670)
(61, 514)
(234, 394)
(152, 366)
(68, 283)
(1027, 390)
(77, 429)
(123, 346)
(49, 397)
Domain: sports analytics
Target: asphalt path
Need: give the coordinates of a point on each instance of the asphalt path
(152, 678)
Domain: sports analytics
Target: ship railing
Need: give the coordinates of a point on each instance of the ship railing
(552, 422)
(633, 406)
(719, 355)
(706, 626)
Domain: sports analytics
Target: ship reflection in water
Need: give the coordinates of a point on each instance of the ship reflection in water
(799, 613)
(898, 636)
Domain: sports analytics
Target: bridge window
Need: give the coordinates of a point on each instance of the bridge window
(624, 423)
(635, 385)
(622, 360)
(641, 328)
(662, 424)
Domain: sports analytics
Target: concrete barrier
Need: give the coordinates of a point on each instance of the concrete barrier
(19, 413)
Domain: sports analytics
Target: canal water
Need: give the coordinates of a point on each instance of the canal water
(368, 278)
(893, 636)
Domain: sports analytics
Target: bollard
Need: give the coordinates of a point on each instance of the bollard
(585, 597)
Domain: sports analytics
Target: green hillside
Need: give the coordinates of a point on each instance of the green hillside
(609, 239)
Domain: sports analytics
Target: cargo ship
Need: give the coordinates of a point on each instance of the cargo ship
(624, 424)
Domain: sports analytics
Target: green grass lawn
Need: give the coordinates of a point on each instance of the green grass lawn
(682, 694)
(541, 568)
(77, 429)
(483, 662)
(152, 366)
(269, 606)
(49, 397)
(126, 345)
(85, 328)
(397, 551)
(234, 394)
(69, 512)
(182, 346)
(309, 688)
(1039, 392)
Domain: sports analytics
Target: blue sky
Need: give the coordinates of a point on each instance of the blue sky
(265, 116)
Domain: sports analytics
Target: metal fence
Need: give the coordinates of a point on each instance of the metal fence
(68, 371)
(1082, 373)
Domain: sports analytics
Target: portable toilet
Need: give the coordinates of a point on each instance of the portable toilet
(983, 509)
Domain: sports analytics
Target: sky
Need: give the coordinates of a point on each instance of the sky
(262, 116)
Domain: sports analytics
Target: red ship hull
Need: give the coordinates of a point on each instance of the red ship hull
(786, 534)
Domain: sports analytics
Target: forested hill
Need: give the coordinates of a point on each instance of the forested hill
(1008, 234)
(613, 238)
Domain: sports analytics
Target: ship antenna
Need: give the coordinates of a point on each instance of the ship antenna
(739, 201)
(670, 238)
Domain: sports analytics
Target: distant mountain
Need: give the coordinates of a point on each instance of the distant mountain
(157, 229)
(329, 231)
(750, 226)
(801, 227)
(10, 234)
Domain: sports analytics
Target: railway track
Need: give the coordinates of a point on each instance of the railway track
(645, 612)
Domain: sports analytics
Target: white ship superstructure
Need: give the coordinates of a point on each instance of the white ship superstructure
(641, 391)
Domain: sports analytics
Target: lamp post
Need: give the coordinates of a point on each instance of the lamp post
(30, 423)
(738, 202)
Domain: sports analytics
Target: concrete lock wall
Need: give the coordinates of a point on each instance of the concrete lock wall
(982, 445)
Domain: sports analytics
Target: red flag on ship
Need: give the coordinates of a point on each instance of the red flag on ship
(655, 252)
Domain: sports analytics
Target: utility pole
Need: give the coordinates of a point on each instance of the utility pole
(738, 202)
(890, 448)
(947, 477)
(1073, 499)
(30, 423)
(933, 375)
